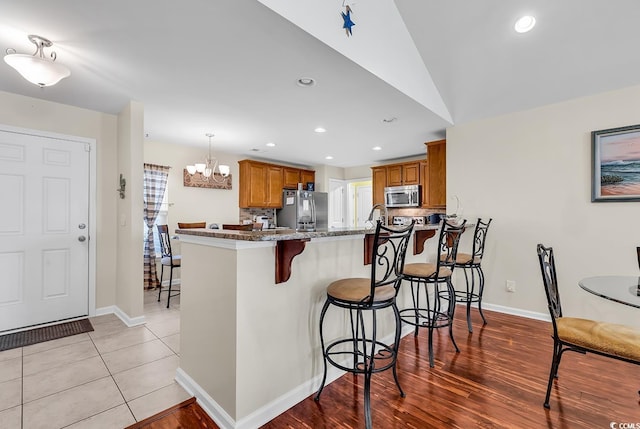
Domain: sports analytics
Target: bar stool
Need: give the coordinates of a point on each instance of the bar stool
(431, 313)
(168, 260)
(361, 352)
(470, 263)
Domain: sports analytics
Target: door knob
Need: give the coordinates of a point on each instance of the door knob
(82, 238)
(82, 226)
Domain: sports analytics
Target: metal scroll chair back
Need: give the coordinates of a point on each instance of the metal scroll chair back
(479, 239)
(389, 251)
(165, 242)
(448, 242)
(550, 281)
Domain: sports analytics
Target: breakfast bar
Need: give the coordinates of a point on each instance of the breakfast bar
(250, 345)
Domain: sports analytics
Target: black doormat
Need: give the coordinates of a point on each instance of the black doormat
(39, 335)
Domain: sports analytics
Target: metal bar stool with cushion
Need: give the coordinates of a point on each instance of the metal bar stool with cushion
(582, 335)
(432, 313)
(471, 265)
(168, 260)
(361, 352)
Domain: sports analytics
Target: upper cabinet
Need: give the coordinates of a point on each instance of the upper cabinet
(435, 185)
(431, 174)
(293, 176)
(379, 181)
(261, 183)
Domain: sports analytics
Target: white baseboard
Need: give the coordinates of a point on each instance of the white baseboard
(517, 312)
(114, 309)
(208, 404)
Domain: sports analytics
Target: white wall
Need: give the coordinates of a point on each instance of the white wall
(531, 172)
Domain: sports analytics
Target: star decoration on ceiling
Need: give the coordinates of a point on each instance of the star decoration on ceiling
(348, 23)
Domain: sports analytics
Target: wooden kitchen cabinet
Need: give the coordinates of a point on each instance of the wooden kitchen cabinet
(403, 174)
(379, 181)
(260, 184)
(435, 186)
(293, 176)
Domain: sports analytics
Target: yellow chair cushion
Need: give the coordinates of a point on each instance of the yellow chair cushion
(358, 289)
(617, 340)
(425, 270)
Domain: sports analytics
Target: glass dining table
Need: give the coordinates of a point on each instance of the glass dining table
(622, 289)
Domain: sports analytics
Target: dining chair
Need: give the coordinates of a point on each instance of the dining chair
(361, 351)
(619, 342)
(168, 259)
(426, 279)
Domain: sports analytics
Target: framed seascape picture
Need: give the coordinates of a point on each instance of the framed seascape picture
(615, 171)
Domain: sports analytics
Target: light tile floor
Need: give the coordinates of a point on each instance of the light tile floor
(108, 378)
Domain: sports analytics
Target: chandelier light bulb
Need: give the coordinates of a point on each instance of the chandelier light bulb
(191, 169)
(200, 167)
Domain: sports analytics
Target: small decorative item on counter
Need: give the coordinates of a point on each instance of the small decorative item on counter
(311, 186)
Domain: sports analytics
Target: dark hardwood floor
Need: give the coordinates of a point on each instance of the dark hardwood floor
(498, 380)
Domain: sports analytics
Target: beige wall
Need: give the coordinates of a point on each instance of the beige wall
(195, 204)
(531, 172)
(35, 114)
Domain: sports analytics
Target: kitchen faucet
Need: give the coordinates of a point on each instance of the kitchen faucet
(382, 218)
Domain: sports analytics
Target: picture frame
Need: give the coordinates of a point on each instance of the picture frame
(615, 167)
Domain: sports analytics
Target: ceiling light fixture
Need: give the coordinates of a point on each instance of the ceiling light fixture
(306, 82)
(525, 24)
(270, 144)
(328, 157)
(320, 130)
(376, 148)
(36, 68)
(208, 168)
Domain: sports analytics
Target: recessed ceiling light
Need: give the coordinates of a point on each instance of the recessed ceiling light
(306, 82)
(271, 144)
(376, 148)
(320, 130)
(328, 157)
(524, 24)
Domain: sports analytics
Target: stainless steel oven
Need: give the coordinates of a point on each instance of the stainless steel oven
(402, 196)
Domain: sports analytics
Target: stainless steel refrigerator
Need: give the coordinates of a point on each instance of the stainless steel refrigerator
(304, 210)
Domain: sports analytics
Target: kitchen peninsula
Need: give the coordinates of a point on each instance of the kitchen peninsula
(250, 346)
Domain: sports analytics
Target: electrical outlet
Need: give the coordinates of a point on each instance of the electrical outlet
(511, 285)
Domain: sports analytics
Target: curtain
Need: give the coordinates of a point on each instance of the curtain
(155, 184)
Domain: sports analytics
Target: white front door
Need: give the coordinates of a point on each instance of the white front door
(44, 229)
(364, 197)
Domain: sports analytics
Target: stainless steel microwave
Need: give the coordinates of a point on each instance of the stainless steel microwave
(402, 196)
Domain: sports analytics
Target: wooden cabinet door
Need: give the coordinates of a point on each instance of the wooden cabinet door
(307, 176)
(394, 175)
(291, 177)
(273, 191)
(411, 173)
(437, 159)
(379, 181)
(424, 183)
(252, 184)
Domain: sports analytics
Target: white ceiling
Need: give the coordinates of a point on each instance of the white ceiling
(230, 67)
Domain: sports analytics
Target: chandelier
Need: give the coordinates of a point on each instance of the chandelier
(36, 68)
(208, 168)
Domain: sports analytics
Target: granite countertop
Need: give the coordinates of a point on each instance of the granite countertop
(283, 234)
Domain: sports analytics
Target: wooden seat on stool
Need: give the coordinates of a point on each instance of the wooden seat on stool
(431, 313)
(168, 260)
(582, 335)
(361, 352)
(471, 265)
